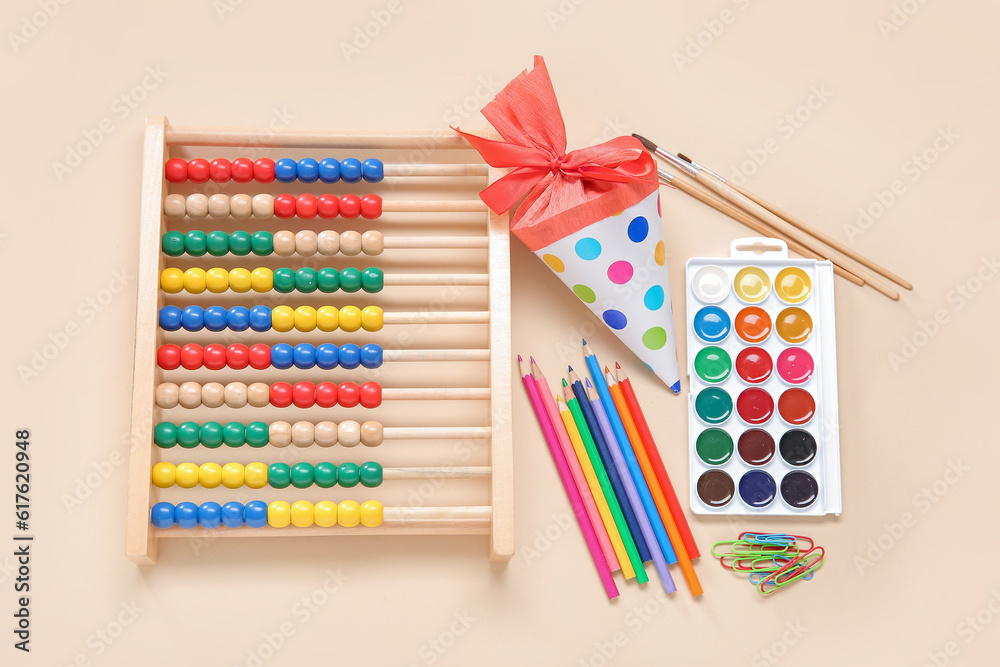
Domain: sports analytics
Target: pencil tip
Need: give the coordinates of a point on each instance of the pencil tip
(606, 369)
(565, 384)
(519, 359)
(587, 381)
(584, 340)
(570, 368)
(532, 359)
(618, 366)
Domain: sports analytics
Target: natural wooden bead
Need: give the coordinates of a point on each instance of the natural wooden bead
(241, 206)
(259, 395)
(325, 434)
(196, 206)
(218, 206)
(372, 242)
(328, 243)
(166, 395)
(349, 433)
(371, 434)
(236, 395)
(174, 206)
(302, 434)
(350, 243)
(306, 243)
(213, 395)
(284, 243)
(279, 434)
(189, 395)
(263, 206)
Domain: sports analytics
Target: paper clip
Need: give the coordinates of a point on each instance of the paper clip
(797, 568)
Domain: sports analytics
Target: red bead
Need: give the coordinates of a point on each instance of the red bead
(371, 207)
(371, 394)
(260, 356)
(281, 394)
(176, 170)
(328, 206)
(168, 357)
(326, 395)
(237, 356)
(191, 356)
(220, 170)
(198, 170)
(263, 170)
(215, 357)
(348, 394)
(284, 206)
(350, 206)
(304, 394)
(306, 206)
(242, 170)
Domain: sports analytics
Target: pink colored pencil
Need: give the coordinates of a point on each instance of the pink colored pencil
(575, 500)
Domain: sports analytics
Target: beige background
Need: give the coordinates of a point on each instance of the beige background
(888, 91)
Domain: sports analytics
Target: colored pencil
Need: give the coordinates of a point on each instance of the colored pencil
(575, 501)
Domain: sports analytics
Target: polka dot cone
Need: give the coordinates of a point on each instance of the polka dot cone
(618, 268)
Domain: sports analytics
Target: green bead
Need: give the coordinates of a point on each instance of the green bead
(188, 435)
(372, 280)
(306, 280)
(325, 475)
(279, 475)
(262, 243)
(173, 244)
(211, 434)
(284, 280)
(234, 434)
(257, 435)
(165, 435)
(350, 280)
(302, 475)
(328, 279)
(217, 243)
(371, 474)
(239, 243)
(195, 243)
(349, 474)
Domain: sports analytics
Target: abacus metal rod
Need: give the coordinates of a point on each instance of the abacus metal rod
(436, 355)
(432, 432)
(240, 137)
(448, 317)
(398, 242)
(435, 393)
(455, 472)
(395, 279)
(404, 170)
(433, 206)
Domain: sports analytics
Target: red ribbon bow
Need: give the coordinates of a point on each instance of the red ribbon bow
(565, 191)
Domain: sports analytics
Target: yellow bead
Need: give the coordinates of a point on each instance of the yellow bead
(327, 318)
(325, 513)
(164, 475)
(239, 280)
(172, 281)
(282, 318)
(371, 318)
(210, 475)
(262, 279)
(305, 318)
(194, 280)
(186, 475)
(233, 475)
(302, 513)
(371, 513)
(255, 475)
(349, 513)
(279, 514)
(217, 280)
(350, 318)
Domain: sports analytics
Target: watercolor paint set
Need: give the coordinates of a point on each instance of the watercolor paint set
(762, 364)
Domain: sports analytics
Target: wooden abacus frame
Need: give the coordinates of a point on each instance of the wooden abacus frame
(494, 519)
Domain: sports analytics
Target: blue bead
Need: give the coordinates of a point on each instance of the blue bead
(193, 318)
(282, 356)
(232, 514)
(327, 356)
(186, 515)
(215, 318)
(255, 514)
(329, 170)
(307, 170)
(350, 355)
(304, 355)
(285, 170)
(170, 318)
(162, 515)
(260, 318)
(371, 355)
(371, 170)
(238, 318)
(210, 515)
(350, 170)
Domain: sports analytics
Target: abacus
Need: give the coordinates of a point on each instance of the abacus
(302, 293)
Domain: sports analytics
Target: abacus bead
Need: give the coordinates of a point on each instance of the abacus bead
(371, 355)
(350, 318)
(255, 514)
(234, 434)
(328, 243)
(325, 434)
(302, 514)
(349, 433)
(283, 318)
(210, 475)
(349, 356)
(195, 280)
(170, 318)
(188, 435)
(167, 395)
(348, 394)
(168, 357)
(304, 356)
(302, 475)
(371, 318)
(199, 170)
(210, 435)
(263, 170)
(284, 280)
(217, 243)
(175, 206)
(306, 206)
(284, 243)
(307, 170)
(210, 515)
(371, 474)
(350, 279)
(372, 280)
(284, 206)
(328, 280)
(349, 513)
(162, 515)
(262, 243)
(259, 356)
(284, 170)
(235, 395)
(327, 318)
(371, 434)
(215, 316)
(186, 515)
(371, 394)
(241, 206)
(306, 280)
(326, 395)
(242, 170)
(239, 280)
(165, 435)
(350, 170)
(233, 475)
(255, 475)
(327, 206)
(305, 318)
(257, 434)
(304, 394)
(195, 243)
(279, 434)
(239, 243)
(281, 394)
(186, 475)
(279, 514)
(302, 434)
(259, 395)
(192, 356)
(262, 206)
(172, 280)
(164, 475)
(196, 206)
(172, 244)
(232, 514)
(259, 318)
(306, 243)
(237, 356)
(329, 170)
(217, 280)
(351, 243)
(325, 513)
(238, 318)
(218, 206)
(214, 357)
(371, 207)
(279, 475)
(176, 170)
(350, 206)
(325, 475)
(372, 170)
(327, 355)
(193, 318)
(262, 279)
(372, 242)
(371, 513)
(220, 170)
(213, 395)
